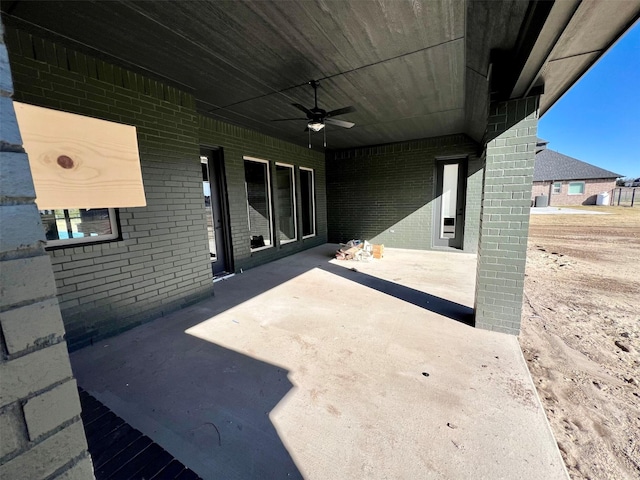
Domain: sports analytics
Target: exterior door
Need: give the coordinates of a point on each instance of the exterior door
(448, 218)
(213, 187)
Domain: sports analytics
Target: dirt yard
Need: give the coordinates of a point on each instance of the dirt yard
(581, 337)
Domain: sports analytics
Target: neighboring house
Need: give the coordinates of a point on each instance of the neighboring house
(447, 98)
(568, 181)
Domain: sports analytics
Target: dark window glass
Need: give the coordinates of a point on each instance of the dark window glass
(285, 203)
(76, 225)
(256, 176)
(308, 203)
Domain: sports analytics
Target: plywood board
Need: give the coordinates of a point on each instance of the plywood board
(80, 162)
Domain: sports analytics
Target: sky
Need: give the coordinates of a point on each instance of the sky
(598, 119)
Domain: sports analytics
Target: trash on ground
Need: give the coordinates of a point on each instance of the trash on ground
(359, 250)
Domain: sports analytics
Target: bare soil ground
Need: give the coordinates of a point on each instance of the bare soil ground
(581, 337)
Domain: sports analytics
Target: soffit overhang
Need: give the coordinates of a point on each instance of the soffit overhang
(412, 69)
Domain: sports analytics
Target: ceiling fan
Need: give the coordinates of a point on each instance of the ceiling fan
(317, 117)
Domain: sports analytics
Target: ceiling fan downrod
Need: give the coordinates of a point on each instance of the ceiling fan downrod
(315, 84)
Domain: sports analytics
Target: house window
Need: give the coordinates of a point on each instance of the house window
(307, 192)
(557, 187)
(286, 203)
(76, 225)
(576, 188)
(258, 187)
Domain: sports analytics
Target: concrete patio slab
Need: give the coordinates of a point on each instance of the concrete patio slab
(304, 368)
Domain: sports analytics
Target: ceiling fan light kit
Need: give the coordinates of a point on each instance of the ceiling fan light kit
(315, 126)
(317, 118)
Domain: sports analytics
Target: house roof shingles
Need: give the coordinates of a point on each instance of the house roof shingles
(552, 165)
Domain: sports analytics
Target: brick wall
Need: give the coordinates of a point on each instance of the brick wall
(474, 196)
(41, 434)
(162, 261)
(238, 142)
(540, 188)
(504, 218)
(384, 194)
(592, 188)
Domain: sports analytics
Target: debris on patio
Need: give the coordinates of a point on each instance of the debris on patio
(359, 250)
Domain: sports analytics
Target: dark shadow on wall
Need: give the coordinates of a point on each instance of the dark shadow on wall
(385, 192)
(590, 200)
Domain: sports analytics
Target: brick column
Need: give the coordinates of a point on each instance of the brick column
(41, 434)
(509, 156)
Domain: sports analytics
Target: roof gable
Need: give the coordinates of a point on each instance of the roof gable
(552, 165)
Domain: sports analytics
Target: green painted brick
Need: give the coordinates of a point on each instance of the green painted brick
(502, 246)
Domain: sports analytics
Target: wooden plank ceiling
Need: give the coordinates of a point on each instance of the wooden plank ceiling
(412, 69)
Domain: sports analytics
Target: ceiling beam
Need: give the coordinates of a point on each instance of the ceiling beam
(557, 21)
(507, 66)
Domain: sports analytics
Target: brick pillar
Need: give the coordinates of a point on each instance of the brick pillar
(41, 434)
(509, 155)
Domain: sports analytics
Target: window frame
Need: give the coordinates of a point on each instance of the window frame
(553, 188)
(576, 183)
(313, 202)
(269, 204)
(293, 202)
(90, 240)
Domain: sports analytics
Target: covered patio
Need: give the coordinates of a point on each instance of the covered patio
(298, 366)
(313, 368)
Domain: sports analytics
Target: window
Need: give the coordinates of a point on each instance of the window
(258, 186)
(206, 190)
(557, 187)
(576, 188)
(307, 192)
(449, 200)
(72, 226)
(286, 203)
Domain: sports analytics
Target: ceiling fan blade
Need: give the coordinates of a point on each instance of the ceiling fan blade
(303, 108)
(338, 123)
(340, 111)
(287, 119)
